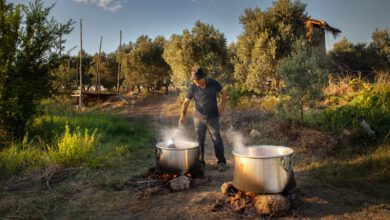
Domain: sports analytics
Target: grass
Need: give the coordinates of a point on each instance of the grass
(19, 157)
(367, 171)
(66, 138)
(108, 150)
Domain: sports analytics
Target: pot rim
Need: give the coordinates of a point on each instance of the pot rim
(291, 151)
(161, 145)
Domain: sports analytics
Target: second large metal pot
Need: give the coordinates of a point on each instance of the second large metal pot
(263, 168)
(179, 160)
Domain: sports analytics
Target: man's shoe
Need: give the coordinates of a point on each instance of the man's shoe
(221, 167)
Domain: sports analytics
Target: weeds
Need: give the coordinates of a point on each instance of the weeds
(66, 138)
(19, 157)
(74, 148)
(372, 103)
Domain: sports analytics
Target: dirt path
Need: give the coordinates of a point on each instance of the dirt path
(320, 200)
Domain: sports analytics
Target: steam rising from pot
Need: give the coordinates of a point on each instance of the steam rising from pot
(236, 139)
(174, 136)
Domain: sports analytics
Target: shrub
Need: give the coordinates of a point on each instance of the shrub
(342, 86)
(270, 103)
(233, 94)
(73, 148)
(372, 103)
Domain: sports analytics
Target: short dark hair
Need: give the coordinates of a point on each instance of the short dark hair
(197, 73)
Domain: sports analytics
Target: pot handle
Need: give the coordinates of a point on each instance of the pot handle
(157, 153)
(287, 162)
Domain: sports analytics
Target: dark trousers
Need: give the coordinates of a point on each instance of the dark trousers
(212, 125)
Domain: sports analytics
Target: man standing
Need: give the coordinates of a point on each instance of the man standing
(207, 112)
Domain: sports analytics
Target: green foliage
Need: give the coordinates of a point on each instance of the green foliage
(108, 70)
(112, 128)
(65, 138)
(362, 57)
(268, 37)
(305, 75)
(144, 64)
(29, 49)
(19, 157)
(233, 95)
(262, 64)
(74, 148)
(356, 57)
(371, 103)
(203, 46)
(381, 47)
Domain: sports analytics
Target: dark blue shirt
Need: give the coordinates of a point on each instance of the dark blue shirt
(205, 99)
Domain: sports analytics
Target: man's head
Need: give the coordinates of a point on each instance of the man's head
(198, 76)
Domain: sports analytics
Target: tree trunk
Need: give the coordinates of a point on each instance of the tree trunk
(166, 89)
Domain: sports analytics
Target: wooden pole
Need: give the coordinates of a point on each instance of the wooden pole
(119, 63)
(68, 71)
(60, 44)
(98, 69)
(81, 64)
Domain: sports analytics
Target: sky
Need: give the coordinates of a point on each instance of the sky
(357, 19)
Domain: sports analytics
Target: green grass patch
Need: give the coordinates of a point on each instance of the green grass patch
(19, 157)
(67, 138)
(369, 172)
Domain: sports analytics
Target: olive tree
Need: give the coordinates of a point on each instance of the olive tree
(268, 37)
(204, 46)
(305, 74)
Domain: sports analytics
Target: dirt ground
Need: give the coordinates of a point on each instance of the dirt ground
(321, 201)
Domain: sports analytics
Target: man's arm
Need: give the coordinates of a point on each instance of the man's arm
(183, 111)
(221, 108)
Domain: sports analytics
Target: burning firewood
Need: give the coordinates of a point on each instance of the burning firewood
(154, 183)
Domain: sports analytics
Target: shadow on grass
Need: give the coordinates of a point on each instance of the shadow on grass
(367, 175)
(322, 200)
(345, 185)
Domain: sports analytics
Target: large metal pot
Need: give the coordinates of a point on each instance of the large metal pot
(178, 160)
(263, 169)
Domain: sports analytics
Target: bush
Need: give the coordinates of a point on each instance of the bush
(233, 94)
(270, 103)
(372, 103)
(73, 148)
